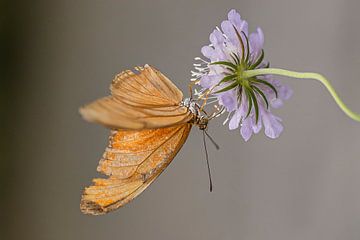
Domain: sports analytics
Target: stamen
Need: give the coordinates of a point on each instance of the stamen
(194, 73)
(200, 69)
(210, 102)
(227, 118)
(212, 97)
(199, 93)
(200, 59)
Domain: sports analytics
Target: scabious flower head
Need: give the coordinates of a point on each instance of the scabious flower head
(248, 101)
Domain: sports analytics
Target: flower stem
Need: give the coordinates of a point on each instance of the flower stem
(305, 75)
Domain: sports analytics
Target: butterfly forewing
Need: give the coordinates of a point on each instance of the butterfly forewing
(144, 100)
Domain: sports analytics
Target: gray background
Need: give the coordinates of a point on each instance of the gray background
(59, 55)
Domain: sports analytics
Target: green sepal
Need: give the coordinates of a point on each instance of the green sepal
(256, 106)
(230, 69)
(248, 95)
(239, 95)
(231, 86)
(267, 84)
(228, 78)
(262, 95)
(235, 57)
(241, 44)
(247, 47)
(229, 64)
(258, 61)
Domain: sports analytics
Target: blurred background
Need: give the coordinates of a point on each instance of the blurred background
(59, 55)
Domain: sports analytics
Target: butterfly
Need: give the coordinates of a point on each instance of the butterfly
(149, 121)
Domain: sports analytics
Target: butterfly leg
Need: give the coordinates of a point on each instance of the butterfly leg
(191, 84)
(217, 112)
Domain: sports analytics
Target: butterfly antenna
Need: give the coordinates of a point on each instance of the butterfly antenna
(207, 161)
(212, 140)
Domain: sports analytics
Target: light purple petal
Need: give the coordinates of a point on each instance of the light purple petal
(228, 29)
(256, 127)
(276, 102)
(273, 127)
(216, 38)
(244, 106)
(228, 100)
(246, 129)
(208, 51)
(207, 81)
(216, 70)
(235, 120)
(235, 18)
(286, 92)
(256, 40)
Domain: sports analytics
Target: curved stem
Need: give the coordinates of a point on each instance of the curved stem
(307, 75)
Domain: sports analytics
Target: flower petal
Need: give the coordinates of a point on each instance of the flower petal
(235, 120)
(208, 51)
(273, 127)
(228, 100)
(207, 81)
(256, 127)
(228, 29)
(246, 129)
(276, 102)
(235, 18)
(216, 38)
(285, 92)
(256, 40)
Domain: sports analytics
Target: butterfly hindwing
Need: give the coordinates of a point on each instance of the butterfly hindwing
(133, 160)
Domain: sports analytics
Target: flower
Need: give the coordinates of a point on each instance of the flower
(248, 100)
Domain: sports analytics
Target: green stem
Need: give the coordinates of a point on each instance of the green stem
(307, 75)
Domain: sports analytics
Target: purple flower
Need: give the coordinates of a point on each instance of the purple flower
(248, 101)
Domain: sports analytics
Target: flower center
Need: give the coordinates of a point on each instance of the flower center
(239, 73)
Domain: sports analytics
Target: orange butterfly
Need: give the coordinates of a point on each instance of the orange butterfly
(150, 122)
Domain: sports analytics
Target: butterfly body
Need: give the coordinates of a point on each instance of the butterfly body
(149, 121)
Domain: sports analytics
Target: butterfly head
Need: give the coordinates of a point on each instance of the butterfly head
(202, 122)
(200, 117)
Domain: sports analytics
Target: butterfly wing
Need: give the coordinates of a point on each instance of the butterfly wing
(149, 128)
(133, 160)
(147, 99)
